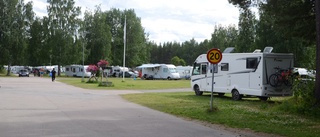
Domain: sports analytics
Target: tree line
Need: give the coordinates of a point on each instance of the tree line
(62, 37)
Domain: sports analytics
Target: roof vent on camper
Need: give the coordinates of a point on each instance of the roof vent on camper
(228, 50)
(257, 51)
(267, 49)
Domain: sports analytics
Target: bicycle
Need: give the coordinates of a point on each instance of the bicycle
(285, 76)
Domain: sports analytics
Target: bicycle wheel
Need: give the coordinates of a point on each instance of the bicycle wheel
(273, 80)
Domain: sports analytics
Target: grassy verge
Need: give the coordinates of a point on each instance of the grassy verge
(249, 113)
(129, 83)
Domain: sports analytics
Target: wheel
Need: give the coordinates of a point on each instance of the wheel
(197, 91)
(275, 80)
(169, 78)
(236, 95)
(220, 94)
(263, 98)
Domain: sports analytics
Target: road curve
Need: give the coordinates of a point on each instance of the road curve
(37, 107)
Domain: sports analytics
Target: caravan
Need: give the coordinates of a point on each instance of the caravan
(77, 71)
(159, 71)
(242, 74)
(184, 71)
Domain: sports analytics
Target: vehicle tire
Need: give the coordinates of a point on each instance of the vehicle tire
(274, 80)
(169, 78)
(236, 95)
(220, 94)
(263, 98)
(197, 90)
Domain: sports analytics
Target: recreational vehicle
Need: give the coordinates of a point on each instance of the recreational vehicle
(184, 71)
(77, 71)
(116, 70)
(242, 74)
(159, 71)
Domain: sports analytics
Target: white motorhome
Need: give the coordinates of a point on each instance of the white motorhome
(116, 70)
(159, 71)
(184, 71)
(77, 71)
(241, 74)
(16, 69)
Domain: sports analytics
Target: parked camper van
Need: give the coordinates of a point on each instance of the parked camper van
(77, 71)
(184, 71)
(159, 71)
(116, 70)
(242, 74)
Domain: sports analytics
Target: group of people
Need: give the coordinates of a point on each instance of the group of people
(40, 72)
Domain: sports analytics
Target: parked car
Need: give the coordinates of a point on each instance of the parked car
(23, 73)
(128, 74)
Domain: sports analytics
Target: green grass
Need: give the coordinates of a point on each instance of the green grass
(251, 113)
(129, 83)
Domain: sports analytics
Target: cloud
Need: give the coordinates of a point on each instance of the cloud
(168, 20)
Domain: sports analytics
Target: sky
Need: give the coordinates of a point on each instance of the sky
(166, 20)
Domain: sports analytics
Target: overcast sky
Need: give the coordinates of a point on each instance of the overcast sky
(167, 20)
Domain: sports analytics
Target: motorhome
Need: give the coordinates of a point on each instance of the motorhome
(116, 70)
(16, 69)
(77, 71)
(184, 71)
(241, 74)
(159, 71)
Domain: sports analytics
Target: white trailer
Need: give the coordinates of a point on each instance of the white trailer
(159, 71)
(242, 74)
(116, 70)
(77, 71)
(184, 71)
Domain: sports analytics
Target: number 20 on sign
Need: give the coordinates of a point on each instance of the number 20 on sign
(214, 56)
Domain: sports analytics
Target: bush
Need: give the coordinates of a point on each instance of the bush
(303, 101)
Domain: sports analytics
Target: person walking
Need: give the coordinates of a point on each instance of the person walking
(53, 74)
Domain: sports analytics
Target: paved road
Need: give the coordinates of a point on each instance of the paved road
(37, 107)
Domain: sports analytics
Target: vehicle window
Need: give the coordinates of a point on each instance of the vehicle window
(196, 69)
(224, 66)
(204, 69)
(252, 63)
(165, 69)
(172, 70)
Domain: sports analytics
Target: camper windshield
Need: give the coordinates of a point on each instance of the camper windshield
(173, 70)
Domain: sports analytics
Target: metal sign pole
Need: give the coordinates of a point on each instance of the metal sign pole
(212, 86)
(214, 56)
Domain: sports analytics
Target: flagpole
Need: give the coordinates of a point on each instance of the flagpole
(124, 43)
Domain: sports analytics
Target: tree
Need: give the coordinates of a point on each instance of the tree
(177, 61)
(136, 48)
(246, 36)
(63, 25)
(14, 18)
(317, 7)
(223, 37)
(114, 20)
(98, 36)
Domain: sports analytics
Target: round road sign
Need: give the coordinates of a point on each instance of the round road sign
(214, 56)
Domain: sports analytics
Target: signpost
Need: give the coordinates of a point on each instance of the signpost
(214, 56)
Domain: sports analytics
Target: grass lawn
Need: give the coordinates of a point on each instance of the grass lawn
(250, 113)
(129, 83)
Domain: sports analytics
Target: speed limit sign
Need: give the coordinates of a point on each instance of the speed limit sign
(214, 56)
